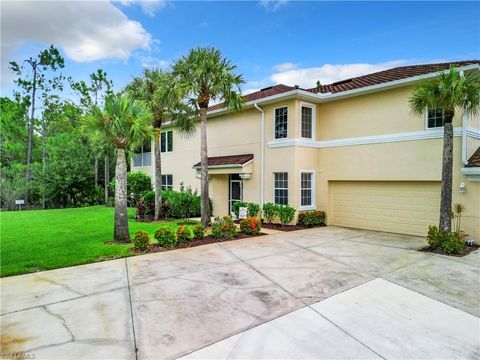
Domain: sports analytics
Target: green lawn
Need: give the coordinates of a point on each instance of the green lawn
(49, 239)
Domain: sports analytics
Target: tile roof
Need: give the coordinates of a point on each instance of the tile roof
(266, 92)
(227, 160)
(398, 73)
(474, 160)
(358, 82)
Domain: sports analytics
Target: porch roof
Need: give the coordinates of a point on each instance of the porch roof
(227, 161)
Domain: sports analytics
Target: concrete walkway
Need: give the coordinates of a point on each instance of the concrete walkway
(318, 293)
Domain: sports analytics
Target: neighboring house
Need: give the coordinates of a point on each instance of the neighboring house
(352, 148)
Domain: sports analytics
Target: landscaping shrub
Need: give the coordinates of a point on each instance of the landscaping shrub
(177, 204)
(449, 243)
(183, 234)
(252, 208)
(182, 204)
(146, 206)
(270, 211)
(224, 228)
(141, 211)
(141, 240)
(286, 214)
(453, 243)
(199, 231)
(137, 184)
(166, 237)
(250, 226)
(435, 237)
(311, 218)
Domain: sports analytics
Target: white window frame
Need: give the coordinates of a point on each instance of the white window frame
(273, 185)
(166, 187)
(143, 156)
(426, 120)
(288, 115)
(313, 205)
(314, 120)
(166, 142)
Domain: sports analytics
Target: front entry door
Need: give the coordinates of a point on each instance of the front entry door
(235, 192)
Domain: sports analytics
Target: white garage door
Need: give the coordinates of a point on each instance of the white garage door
(400, 207)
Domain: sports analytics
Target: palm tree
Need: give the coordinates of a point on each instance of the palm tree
(153, 88)
(124, 124)
(204, 75)
(451, 91)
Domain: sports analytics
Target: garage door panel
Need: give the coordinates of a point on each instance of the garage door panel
(402, 207)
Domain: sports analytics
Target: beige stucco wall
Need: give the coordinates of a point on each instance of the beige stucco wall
(378, 113)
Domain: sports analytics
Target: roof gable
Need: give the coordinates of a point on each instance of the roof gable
(474, 160)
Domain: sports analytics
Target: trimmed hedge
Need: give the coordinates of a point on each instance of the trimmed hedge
(311, 218)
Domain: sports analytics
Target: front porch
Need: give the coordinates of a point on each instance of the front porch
(231, 178)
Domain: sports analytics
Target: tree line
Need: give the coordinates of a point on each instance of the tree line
(45, 158)
(51, 148)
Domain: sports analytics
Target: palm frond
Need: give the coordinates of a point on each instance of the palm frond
(449, 90)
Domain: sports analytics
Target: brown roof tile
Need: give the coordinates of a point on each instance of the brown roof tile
(266, 92)
(227, 160)
(381, 77)
(377, 78)
(474, 160)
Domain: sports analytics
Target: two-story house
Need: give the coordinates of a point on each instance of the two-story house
(352, 148)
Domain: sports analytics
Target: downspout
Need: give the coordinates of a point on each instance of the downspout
(262, 157)
(464, 132)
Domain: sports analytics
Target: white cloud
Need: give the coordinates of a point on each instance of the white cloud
(149, 7)
(328, 73)
(148, 61)
(272, 5)
(288, 66)
(85, 30)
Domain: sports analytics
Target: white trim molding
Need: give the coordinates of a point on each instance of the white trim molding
(474, 133)
(472, 173)
(363, 140)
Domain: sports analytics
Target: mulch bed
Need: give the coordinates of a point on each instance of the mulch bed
(281, 227)
(153, 248)
(467, 250)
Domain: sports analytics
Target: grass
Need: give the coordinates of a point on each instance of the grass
(49, 239)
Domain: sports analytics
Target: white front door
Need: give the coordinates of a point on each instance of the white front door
(235, 192)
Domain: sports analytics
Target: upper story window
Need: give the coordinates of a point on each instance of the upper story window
(167, 182)
(281, 121)
(280, 188)
(143, 155)
(435, 118)
(307, 121)
(166, 141)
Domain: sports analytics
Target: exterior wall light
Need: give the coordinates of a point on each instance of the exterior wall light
(461, 188)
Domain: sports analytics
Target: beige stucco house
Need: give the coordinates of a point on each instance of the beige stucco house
(351, 148)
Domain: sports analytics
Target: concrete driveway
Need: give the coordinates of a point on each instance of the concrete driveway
(319, 293)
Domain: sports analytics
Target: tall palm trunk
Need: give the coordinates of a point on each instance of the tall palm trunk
(96, 171)
(121, 233)
(107, 178)
(28, 173)
(44, 164)
(447, 164)
(205, 204)
(158, 173)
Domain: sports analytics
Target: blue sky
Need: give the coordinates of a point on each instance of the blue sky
(279, 41)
